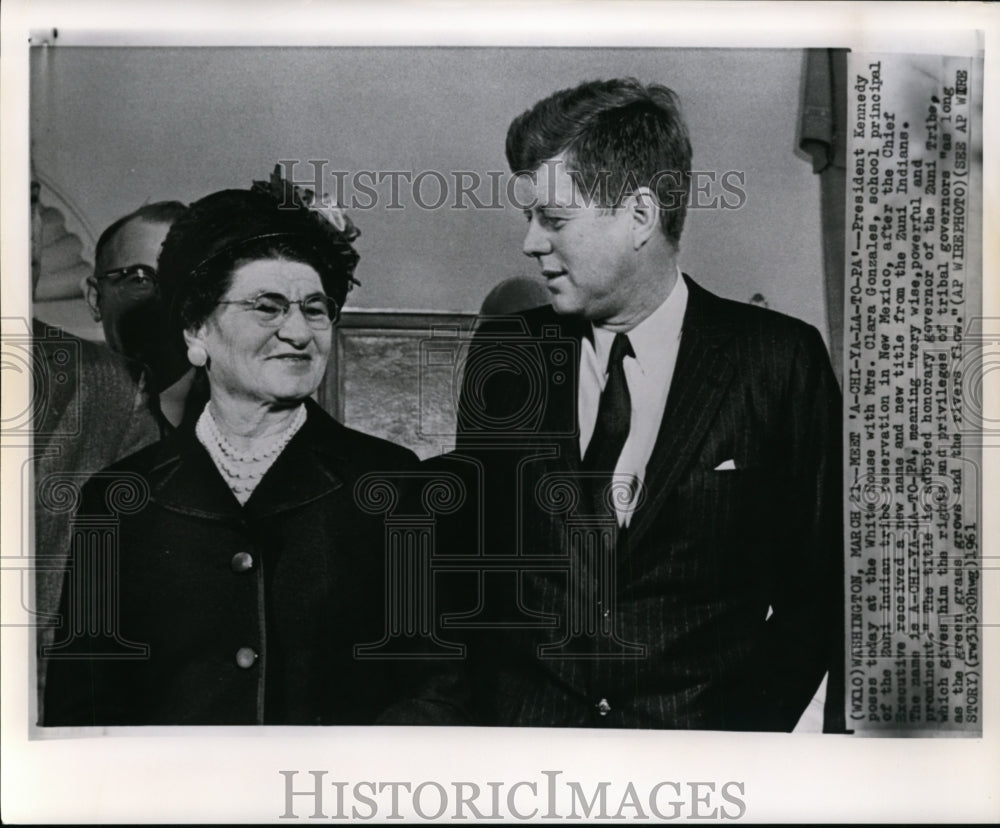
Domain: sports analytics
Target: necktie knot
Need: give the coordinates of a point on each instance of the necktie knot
(621, 347)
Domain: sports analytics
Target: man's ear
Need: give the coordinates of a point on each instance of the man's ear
(645, 211)
(92, 297)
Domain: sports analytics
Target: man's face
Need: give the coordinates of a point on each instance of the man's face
(585, 251)
(129, 303)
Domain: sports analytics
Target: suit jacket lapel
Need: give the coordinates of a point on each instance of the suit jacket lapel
(701, 377)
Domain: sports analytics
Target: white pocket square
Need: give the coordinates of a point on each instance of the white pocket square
(726, 465)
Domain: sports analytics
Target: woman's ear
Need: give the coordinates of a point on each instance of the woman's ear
(197, 354)
(645, 211)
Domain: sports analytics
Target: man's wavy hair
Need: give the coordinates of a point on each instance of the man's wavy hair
(616, 135)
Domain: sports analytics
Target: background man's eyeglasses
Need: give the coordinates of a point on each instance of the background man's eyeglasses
(134, 278)
(272, 309)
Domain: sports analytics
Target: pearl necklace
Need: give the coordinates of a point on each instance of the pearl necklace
(242, 471)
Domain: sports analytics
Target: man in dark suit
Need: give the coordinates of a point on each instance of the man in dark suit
(660, 468)
(90, 407)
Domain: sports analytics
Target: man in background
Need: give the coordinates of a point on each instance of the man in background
(90, 407)
(678, 480)
(126, 297)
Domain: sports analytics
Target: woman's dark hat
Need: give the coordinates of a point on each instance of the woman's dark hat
(222, 223)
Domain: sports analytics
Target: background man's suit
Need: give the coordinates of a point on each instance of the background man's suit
(90, 408)
(707, 556)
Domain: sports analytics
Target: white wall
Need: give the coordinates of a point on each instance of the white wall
(114, 127)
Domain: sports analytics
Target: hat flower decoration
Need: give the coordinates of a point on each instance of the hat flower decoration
(330, 218)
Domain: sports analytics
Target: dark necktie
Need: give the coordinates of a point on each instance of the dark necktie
(614, 413)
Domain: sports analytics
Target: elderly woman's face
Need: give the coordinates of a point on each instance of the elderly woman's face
(255, 362)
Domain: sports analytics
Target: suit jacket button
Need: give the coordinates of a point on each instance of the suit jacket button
(241, 562)
(603, 707)
(245, 657)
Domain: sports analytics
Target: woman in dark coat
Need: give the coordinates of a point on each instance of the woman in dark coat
(226, 574)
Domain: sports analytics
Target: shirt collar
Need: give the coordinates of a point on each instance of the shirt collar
(649, 337)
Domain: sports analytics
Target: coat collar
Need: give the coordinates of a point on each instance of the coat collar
(183, 477)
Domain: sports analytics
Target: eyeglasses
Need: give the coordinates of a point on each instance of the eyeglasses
(271, 309)
(136, 278)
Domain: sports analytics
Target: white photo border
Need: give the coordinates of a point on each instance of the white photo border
(232, 774)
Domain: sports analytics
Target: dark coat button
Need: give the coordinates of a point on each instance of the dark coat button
(246, 657)
(241, 562)
(603, 707)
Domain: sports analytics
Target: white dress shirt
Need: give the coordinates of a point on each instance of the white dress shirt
(655, 342)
